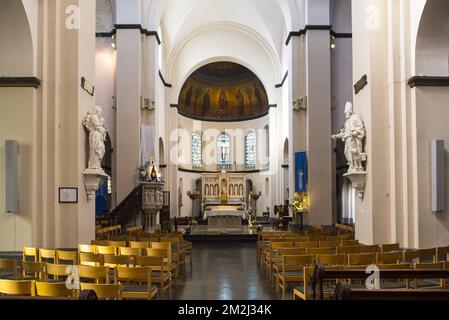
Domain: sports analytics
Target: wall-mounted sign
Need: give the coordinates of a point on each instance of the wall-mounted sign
(87, 86)
(361, 84)
(68, 195)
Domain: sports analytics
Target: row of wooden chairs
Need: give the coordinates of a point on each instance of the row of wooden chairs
(108, 232)
(116, 290)
(311, 241)
(112, 267)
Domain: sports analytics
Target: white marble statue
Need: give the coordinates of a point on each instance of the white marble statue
(353, 135)
(94, 123)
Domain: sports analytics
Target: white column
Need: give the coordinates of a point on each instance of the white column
(129, 68)
(319, 123)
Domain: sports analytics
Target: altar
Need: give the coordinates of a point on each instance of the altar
(224, 217)
(224, 195)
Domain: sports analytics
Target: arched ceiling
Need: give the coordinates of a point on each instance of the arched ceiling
(179, 18)
(432, 43)
(197, 32)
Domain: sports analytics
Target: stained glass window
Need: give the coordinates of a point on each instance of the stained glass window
(223, 150)
(250, 150)
(197, 159)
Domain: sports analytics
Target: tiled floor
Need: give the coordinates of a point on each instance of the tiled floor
(223, 271)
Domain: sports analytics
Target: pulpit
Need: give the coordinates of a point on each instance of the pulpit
(152, 202)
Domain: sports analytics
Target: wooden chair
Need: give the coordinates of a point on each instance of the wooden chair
(167, 246)
(159, 275)
(86, 248)
(149, 239)
(362, 259)
(54, 290)
(277, 258)
(309, 244)
(410, 256)
(431, 266)
(162, 253)
(349, 243)
(117, 244)
(348, 250)
(141, 245)
(16, 287)
(109, 250)
(125, 251)
(442, 254)
(332, 259)
(428, 255)
(329, 244)
(178, 254)
(389, 257)
(100, 275)
(334, 238)
(10, 265)
(305, 291)
(396, 283)
(91, 259)
(32, 270)
(115, 261)
(67, 256)
(100, 242)
(32, 253)
(55, 271)
(292, 271)
(271, 253)
(104, 291)
(128, 276)
(394, 247)
(46, 255)
(316, 251)
(369, 249)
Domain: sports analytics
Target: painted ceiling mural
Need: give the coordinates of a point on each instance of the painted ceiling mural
(223, 91)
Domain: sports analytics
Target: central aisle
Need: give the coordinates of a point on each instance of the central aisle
(223, 271)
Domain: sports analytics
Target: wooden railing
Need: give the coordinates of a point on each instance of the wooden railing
(128, 209)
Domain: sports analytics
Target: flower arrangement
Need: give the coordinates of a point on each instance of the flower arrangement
(299, 203)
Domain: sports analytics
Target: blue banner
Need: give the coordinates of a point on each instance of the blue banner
(301, 172)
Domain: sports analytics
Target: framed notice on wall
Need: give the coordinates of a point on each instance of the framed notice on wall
(68, 195)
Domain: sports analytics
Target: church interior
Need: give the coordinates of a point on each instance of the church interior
(224, 150)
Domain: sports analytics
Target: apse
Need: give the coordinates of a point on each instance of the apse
(223, 92)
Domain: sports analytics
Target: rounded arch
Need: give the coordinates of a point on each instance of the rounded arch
(16, 49)
(250, 148)
(180, 196)
(197, 149)
(161, 151)
(251, 50)
(432, 43)
(267, 187)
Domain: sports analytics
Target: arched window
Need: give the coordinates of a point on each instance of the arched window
(223, 150)
(250, 150)
(197, 150)
(267, 137)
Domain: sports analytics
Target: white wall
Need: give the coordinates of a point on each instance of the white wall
(16, 123)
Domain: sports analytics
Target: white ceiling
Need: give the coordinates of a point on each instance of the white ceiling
(251, 32)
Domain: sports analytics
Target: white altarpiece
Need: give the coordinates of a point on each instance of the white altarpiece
(224, 194)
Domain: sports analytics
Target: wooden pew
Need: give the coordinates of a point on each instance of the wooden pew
(321, 275)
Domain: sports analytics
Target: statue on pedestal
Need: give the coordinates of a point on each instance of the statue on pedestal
(92, 176)
(353, 135)
(94, 123)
